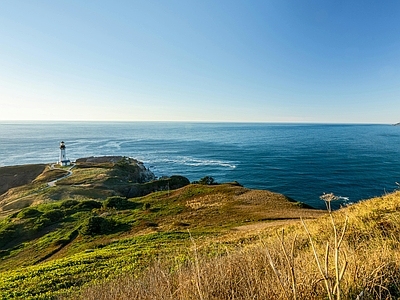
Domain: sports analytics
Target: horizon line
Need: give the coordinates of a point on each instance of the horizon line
(197, 122)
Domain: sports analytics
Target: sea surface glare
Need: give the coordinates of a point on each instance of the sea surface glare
(301, 161)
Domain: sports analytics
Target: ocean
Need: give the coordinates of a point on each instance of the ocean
(301, 161)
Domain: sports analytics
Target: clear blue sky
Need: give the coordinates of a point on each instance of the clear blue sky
(244, 61)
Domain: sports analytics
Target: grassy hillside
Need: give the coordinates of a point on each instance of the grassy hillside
(353, 253)
(63, 242)
(93, 178)
(53, 247)
(83, 238)
(14, 176)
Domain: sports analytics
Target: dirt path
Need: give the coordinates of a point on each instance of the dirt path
(52, 167)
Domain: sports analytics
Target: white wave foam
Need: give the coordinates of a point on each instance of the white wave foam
(189, 161)
(111, 144)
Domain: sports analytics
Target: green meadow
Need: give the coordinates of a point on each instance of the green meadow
(84, 238)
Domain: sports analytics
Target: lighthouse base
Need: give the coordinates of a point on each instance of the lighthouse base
(64, 163)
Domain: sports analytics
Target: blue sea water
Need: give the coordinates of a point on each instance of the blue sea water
(301, 161)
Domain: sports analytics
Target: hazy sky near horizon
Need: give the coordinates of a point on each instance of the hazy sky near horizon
(243, 61)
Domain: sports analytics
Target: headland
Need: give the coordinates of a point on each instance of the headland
(112, 221)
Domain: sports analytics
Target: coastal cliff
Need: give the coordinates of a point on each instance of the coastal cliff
(62, 240)
(130, 169)
(90, 178)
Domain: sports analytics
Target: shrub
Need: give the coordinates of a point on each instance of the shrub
(177, 181)
(48, 218)
(117, 202)
(42, 222)
(53, 215)
(29, 213)
(88, 204)
(97, 225)
(207, 180)
(7, 233)
(69, 203)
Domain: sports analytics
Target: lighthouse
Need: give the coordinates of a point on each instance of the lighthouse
(64, 161)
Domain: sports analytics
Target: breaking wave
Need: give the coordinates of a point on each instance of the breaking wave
(190, 161)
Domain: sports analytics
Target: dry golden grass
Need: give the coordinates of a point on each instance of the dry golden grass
(228, 204)
(283, 264)
(50, 174)
(251, 245)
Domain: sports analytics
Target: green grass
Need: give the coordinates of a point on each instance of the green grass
(104, 260)
(61, 246)
(301, 260)
(55, 240)
(84, 238)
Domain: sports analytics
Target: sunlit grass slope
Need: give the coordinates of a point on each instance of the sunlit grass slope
(56, 247)
(84, 239)
(94, 178)
(353, 253)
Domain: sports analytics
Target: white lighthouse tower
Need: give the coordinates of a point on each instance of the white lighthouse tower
(64, 161)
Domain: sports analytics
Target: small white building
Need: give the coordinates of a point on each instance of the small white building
(63, 161)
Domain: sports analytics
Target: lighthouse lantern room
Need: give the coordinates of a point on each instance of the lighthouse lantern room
(64, 161)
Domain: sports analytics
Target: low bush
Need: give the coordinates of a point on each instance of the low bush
(7, 233)
(48, 218)
(29, 212)
(96, 225)
(88, 205)
(53, 215)
(118, 202)
(69, 203)
(207, 180)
